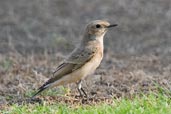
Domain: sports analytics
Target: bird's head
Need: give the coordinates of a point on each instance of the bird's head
(98, 27)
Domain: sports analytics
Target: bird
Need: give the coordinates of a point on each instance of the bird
(83, 60)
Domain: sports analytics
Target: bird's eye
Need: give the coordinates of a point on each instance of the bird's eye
(98, 26)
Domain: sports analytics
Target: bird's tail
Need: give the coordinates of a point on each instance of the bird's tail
(40, 89)
(46, 85)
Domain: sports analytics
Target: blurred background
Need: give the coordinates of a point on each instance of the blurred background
(38, 26)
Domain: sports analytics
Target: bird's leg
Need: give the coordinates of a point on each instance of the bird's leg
(84, 92)
(80, 89)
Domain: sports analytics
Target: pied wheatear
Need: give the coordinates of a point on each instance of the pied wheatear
(83, 60)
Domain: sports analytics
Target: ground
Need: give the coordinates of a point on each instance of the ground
(117, 77)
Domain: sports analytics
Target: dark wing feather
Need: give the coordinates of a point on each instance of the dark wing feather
(60, 72)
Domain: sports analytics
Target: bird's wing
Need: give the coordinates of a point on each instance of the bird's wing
(81, 56)
(76, 60)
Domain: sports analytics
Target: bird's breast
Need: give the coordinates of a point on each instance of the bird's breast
(92, 64)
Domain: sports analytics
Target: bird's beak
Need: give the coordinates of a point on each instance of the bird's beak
(114, 25)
